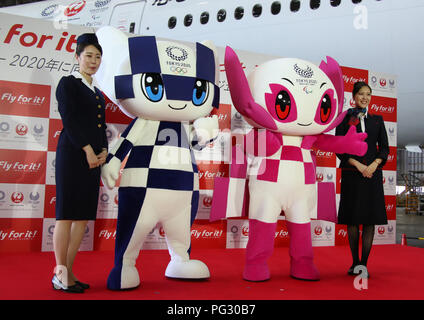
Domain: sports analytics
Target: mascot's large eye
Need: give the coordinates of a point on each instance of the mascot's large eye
(200, 92)
(282, 104)
(325, 108)
(152, 86)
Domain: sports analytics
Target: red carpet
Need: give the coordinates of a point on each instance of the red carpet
(396, 273)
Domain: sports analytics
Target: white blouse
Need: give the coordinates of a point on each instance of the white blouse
(78, 75)
(362, 119)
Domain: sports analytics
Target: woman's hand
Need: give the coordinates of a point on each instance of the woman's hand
(369, 171)
(361, 167)
(102, 156)
(92, 160)
(358, 165)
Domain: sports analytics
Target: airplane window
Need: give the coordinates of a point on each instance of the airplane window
(222, 14)
(132, 27)
(238, 13)
(275, 7)
(172, 22)
(188, 19)
(294, 5)
(257, 10)
(314, 4)
(335, 3)
(204, 17)
(356, 1)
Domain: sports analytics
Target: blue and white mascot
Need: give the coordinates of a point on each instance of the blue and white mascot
(169, 88)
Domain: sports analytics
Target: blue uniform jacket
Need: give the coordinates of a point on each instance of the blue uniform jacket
(83, 115)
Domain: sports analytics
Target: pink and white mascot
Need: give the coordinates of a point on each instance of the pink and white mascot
(290, 103)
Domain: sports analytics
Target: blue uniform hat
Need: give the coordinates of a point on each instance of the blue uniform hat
(90, 38)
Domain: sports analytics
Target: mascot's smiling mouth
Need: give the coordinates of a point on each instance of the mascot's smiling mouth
(304, 125)
(177, 108)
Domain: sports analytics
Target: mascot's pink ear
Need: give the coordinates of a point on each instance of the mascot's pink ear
(332, 69)
(241, 95)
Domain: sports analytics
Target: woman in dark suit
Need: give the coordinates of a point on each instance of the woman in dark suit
(362, 193)
(81, 150)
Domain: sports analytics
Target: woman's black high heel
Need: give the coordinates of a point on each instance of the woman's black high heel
(82, 284)
(58, 285)
(351, 270)
(363, 271)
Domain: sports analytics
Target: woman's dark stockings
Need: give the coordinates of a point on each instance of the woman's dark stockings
(367, 239)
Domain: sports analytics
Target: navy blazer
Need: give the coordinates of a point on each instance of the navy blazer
(83, 115)
(377, 141)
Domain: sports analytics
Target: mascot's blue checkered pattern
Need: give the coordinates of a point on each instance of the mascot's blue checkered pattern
(168, 88)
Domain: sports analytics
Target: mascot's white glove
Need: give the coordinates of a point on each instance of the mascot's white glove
(206, 129)
(110, 172)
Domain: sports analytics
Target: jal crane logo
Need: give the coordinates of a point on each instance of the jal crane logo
(21, 129)
(318, 230)
(17, 197)
(74, 8)
(207, 202)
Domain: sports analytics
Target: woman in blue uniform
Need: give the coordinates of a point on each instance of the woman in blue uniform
(362, 193)
(81, 150)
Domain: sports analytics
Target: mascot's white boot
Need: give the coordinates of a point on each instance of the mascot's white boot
(180, 266)
(131, 279)
(191, 269)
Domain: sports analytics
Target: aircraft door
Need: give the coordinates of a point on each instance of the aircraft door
(126, 16)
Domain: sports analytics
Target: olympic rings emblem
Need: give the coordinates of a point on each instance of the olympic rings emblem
(178, 70)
